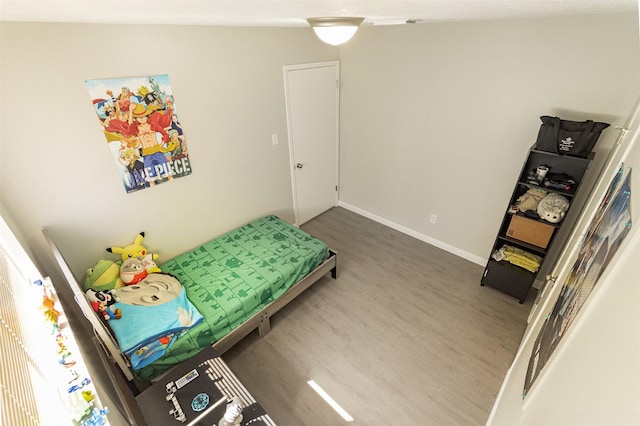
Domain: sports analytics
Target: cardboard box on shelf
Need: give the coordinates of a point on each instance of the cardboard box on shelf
(530, 231)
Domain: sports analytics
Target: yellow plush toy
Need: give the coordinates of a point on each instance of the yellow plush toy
(137, 250)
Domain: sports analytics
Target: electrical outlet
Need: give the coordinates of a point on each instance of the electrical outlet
(434, 218)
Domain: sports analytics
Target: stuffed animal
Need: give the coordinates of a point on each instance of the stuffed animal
(136, 249)
(553, 207)
(102, 301)
(149, 264)
(132, 271)
(105, 275)
(530, 199)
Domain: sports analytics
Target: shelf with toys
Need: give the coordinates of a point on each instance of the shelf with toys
(43, 375)
(542, 196)
(69, 374)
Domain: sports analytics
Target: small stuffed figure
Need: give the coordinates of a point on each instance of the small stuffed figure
(553, 207)
(530, 199)
(149, 264)
(136, 249)
(102, 301)
(105, 275)
(132, 271)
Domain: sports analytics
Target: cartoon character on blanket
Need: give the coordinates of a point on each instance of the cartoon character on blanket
(155, 311)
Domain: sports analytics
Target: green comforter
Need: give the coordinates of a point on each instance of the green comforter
(232, 277)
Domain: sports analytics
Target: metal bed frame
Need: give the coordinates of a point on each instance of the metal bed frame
(259, 320)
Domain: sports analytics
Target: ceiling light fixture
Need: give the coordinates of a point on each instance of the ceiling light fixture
(336, 30)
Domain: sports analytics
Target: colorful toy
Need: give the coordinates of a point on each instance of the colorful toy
(102, 301)
(136, 249)
(62, 348)
(65, 360)
(132, 271)
(105, 275)
(87, 395)
(553, 207)
(149, 264)
(50, 314)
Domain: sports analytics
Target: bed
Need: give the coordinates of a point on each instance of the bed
(235, 282)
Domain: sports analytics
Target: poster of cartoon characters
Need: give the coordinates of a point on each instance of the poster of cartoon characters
(142, 128)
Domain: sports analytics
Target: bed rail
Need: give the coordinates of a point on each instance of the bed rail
(101, 331)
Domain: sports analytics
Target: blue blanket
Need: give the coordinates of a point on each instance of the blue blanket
(155, 312)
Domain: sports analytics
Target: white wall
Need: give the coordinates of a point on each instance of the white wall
(438, 118)
(434, 119)
(57, 172)
(593, 376)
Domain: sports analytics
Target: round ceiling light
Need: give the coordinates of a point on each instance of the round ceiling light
(335, 30)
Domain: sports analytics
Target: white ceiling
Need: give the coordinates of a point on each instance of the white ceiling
(294, 12)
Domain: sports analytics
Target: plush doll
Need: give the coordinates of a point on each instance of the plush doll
(102, 301)
(530, 199)
(553, 207)
(136, 249)
(132, 271)
(105, 275)
(149, 264)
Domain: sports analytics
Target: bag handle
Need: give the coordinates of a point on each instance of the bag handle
(556, 134)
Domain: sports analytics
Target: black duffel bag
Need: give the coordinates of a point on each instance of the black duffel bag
(576, 138)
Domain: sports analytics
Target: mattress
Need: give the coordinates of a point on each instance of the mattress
(232, 277)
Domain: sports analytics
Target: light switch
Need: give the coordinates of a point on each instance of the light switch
(274, 139)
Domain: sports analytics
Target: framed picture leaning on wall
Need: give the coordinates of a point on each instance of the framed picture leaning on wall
(606, 232)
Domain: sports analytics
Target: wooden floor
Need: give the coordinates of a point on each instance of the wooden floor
(405, 336)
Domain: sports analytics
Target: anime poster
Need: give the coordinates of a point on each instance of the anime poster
(142, 128)
(606, 232)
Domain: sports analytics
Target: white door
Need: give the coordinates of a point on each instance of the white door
(312, 102)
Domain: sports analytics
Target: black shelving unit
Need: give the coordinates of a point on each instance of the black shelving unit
(533, 235)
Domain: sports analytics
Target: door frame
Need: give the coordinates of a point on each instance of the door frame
(310, 65)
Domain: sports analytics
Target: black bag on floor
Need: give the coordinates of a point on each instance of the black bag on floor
(576, 138)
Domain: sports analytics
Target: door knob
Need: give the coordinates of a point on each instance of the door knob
(299, 165)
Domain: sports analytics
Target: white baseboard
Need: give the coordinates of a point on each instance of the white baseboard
(415, 234)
